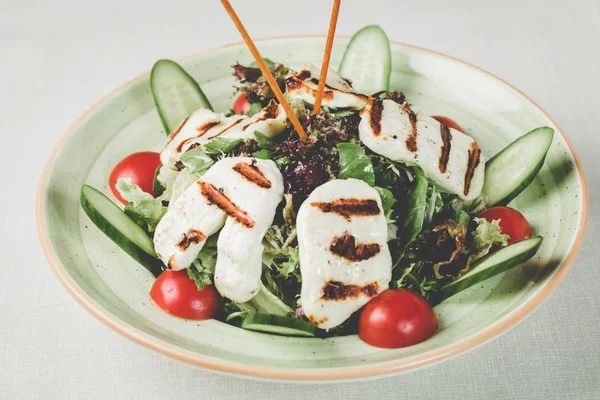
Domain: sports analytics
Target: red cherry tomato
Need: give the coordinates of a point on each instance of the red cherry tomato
(397, 318)
(450, 123)
(139, 167)
(241, 105)
(177, 294)
(512, 222)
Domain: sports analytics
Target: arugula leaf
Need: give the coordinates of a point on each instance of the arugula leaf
(197, 161)
(387, 199)
(280, 162)
(387, 172)
(435, 203)
(144, 209)
(264, 142)
(263, 154)
(354, 163)
(417, 277)
(221, 145)
(203, 269)
(415, 207)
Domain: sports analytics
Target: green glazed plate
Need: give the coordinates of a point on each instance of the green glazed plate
(110, 285)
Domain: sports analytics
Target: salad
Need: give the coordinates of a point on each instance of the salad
(381, 213)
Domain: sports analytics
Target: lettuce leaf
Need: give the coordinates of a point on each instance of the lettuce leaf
(197, 161)
(355, 163)
(486, 236)
(185, 179)
(165, 177)
(281, 260)
(202, 270)
(144, 209)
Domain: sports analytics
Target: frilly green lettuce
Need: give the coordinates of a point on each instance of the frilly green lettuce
(144, 209)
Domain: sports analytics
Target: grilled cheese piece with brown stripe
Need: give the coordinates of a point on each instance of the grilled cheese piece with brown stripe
(238, 194)
(344, 257)
(302, 85)
(447, 156)
(204, 125)
(258, 189)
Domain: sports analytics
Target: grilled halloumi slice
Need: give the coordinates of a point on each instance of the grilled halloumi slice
(189, 221)
(302, 85)
(204, 125)
(256, 186)
(241, 193)
(449, 157)
(344, 256)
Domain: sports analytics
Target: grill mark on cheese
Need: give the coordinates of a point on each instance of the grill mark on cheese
(303, 75)
(176, 131)
(376, 109)
(271, 111)
(297, 82)
(218, 198)
(171, 262)
(202, 129)
(472, 163)
(411, 141)
(293, 83)
(190, 237)
(212, 137)
(317, 321)
(237, 121)
(446, 146)
(253, 174)
(335, 290)
(349, 208)
(346, 247)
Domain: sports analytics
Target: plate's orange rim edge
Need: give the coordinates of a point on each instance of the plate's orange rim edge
(298, 374)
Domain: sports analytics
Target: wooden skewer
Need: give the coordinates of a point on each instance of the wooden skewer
(325, 65)
(265, 70)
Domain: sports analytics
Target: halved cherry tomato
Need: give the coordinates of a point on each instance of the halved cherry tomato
(450, 123)
(177, 294)
(512, 222)
(397, 318)
(241, 105)
(139, 167)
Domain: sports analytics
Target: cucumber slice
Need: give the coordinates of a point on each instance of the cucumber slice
(176, 94)
(278, 325)
(121, 229)
(367, 61)
(509, 172)
(266, 302)
(496, 263)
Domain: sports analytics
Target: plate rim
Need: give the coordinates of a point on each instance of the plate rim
(307, 374)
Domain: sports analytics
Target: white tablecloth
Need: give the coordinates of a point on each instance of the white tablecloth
(57, 57)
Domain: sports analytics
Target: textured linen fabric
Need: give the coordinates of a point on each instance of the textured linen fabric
(57, 57)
